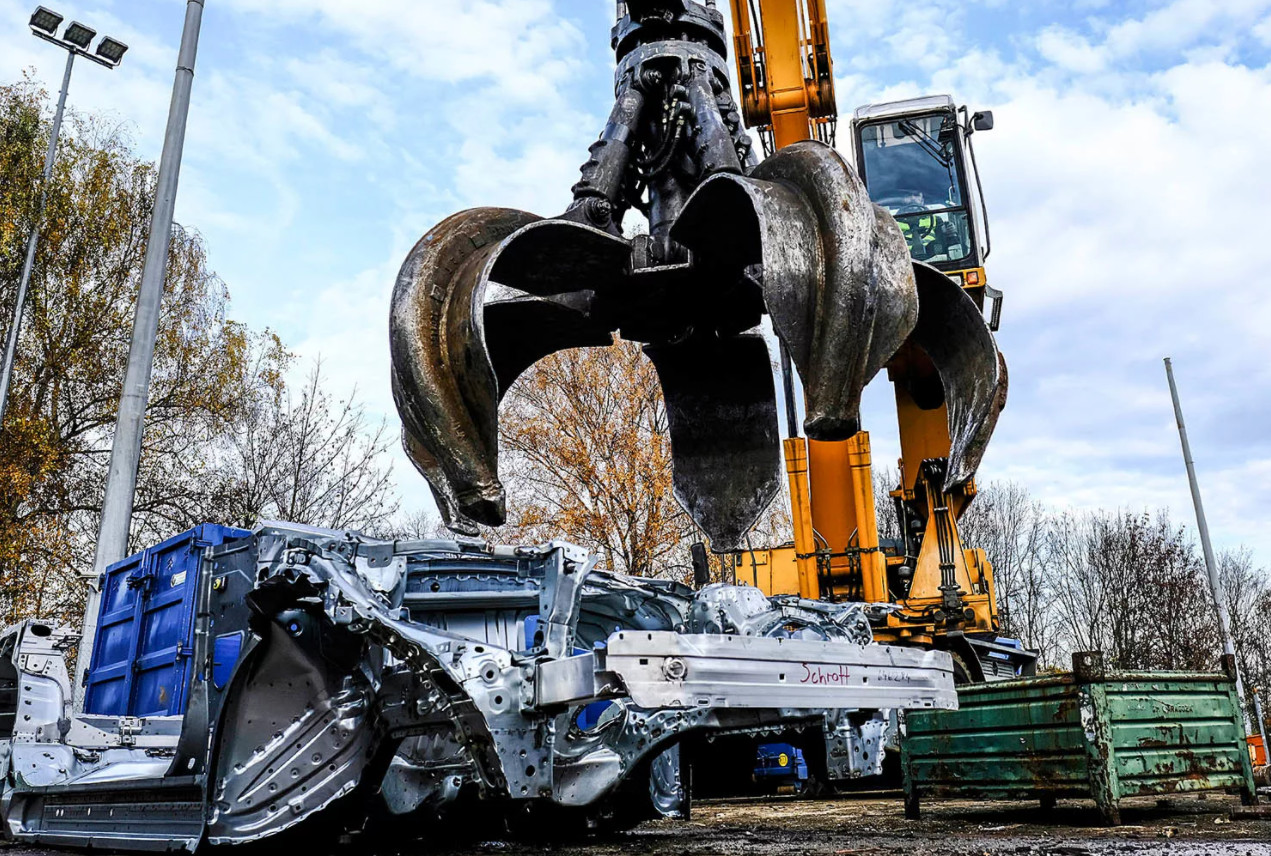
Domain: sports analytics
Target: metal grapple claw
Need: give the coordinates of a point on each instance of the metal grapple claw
(952, 332)
(721, 408)
(447, 380)
(833, 266)
(561, 257)
(490, 291)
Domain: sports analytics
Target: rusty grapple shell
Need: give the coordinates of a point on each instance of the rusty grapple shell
(490, 291)
(447, 378)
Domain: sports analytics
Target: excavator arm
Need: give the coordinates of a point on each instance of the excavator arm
(784, 70)
(490, 291)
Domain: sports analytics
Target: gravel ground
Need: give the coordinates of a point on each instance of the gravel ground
(874, 825)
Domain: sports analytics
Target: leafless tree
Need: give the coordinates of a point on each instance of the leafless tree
(304, 458)
(1133, 587)
(1011, 527)
(1248, 594)
(414, 525)
(885, 481)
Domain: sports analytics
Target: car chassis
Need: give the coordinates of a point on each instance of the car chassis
(401, 680)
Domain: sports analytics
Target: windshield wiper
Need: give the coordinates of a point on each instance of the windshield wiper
(927, 143)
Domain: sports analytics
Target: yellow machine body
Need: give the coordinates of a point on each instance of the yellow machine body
(784, 69)
(786, 78)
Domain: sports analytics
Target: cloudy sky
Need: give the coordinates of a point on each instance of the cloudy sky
(1128, 182)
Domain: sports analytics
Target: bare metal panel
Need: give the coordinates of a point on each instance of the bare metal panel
(679, 670)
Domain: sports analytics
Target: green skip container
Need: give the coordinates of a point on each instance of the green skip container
(1093, 734)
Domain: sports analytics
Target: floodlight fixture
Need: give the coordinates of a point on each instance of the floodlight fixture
(79, 35)
(111, 50)
(77, 38)
(45, 20)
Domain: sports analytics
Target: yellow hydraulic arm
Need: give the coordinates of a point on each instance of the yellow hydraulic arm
(785, 71)
(786, 76)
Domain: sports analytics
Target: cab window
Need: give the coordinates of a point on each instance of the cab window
(911, 169)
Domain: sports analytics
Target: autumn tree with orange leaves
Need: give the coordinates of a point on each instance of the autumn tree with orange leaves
(55, 443)
(586, 456)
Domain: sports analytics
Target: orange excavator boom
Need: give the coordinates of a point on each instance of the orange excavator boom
(785, 69)
(943, 590)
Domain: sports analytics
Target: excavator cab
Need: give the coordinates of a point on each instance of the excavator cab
(917, 160)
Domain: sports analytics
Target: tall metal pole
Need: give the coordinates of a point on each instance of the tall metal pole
(1215, 581)
(15, 326)
(125, 454)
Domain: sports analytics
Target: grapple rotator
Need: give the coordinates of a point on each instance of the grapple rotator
(490, 291)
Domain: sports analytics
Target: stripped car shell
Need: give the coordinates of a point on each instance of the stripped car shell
(398, 679)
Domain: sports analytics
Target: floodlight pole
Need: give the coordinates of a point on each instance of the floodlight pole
(125, 453)
(1215, 581)
(15, 326)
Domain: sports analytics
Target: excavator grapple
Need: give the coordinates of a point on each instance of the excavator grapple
(490, 291)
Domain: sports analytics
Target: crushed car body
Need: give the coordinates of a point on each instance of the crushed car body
(245, 683)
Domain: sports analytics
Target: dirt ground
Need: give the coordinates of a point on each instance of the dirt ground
(874, 825)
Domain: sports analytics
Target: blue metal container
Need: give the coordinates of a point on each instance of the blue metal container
(142, 651)
(781, 764)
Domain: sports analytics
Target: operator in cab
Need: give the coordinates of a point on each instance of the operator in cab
(912, 172)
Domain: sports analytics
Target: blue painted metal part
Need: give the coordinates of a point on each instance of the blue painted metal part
(226, 649)
(589, 715)
(533, 631)
(781, 762)
(142, 652)
(1008, 643)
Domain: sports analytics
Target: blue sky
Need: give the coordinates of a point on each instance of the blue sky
(1127, 180)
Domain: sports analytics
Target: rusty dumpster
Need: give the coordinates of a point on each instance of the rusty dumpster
(1094, 733)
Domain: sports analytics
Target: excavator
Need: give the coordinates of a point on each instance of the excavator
(850, 279)
(858, 264)
(917, 160)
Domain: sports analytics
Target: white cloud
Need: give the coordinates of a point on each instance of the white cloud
(1262, 31)
(1198, 29)
(1181, 23)
(523, 46)
(1124, 204)
(1070, 51)
(332, 82)
(873, 33)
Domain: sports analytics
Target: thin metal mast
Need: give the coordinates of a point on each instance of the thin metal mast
(1211, 566)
